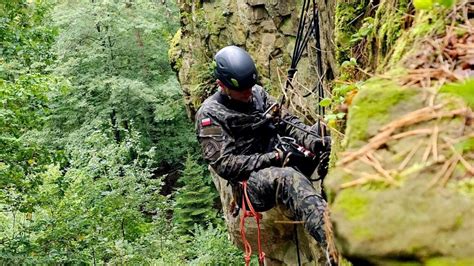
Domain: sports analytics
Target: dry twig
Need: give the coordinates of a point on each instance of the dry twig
(434, 142)
(441, 173)
(362, 180)
(409, 156)
(423, 114)
(459, 156)
(449, 172)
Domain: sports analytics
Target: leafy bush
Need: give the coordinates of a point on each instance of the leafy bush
(91, 122)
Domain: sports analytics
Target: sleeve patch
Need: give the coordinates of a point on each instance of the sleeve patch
(211, 131)
(210, 149)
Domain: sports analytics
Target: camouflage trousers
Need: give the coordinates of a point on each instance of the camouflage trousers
(291, 190)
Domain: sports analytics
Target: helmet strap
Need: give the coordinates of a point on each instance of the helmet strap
(224, 89)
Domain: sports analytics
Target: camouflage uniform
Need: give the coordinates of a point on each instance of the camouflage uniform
(239, 151)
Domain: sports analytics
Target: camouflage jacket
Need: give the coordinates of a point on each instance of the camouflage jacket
(229, 142)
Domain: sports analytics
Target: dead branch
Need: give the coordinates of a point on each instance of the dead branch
(449, 172)
(441, 173)
(434, 142)
(412, 133)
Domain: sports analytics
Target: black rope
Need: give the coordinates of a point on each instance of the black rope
(319, 88)
(319, 58)
(301, 43)
(305, 30)
(297, 244)
(304, 43)
(301, 23)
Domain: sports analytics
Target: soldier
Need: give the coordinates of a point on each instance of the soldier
(240, 144)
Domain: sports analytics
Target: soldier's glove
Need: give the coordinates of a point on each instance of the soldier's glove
(288, 157)
(323, 152)
(321, 145)
(323, 165)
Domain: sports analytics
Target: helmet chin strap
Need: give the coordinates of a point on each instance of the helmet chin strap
(225, 92)
(224, 89)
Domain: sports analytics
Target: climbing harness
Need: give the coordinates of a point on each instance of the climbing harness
(250, 213)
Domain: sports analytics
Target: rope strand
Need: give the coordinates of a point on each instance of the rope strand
(250, 213)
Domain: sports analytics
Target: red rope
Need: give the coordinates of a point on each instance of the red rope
(250, 213)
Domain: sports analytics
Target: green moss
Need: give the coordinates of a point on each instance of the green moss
(362, 233)
(425, 24)
(378, 35)
(174, 52)
(466, 145)
(352, 203)
(389, 20)
(349, 15)
(337, 177)
(465, 187)
(368, 32)
(214, 20)
(464, 90)
(371, 107)
(287, 25)
(441, 261)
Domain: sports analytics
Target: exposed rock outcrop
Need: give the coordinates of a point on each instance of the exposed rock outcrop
(401, 185)
(267, 30)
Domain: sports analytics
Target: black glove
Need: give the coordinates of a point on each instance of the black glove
(304, 164)
(321, 145)
(322, 168)
(289, 157)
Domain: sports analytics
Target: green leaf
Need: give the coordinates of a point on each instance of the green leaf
(340, 115)
(446, 3)
(325, 102)
(423, 4)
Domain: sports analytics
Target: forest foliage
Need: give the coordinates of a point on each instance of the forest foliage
(92, 129)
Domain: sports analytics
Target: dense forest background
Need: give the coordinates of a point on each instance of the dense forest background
(98, 161)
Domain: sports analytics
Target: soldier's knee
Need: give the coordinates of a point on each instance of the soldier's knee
(295, 178)
(291, 173)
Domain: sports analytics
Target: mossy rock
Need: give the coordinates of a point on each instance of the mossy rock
(465, 90)
(416, 218)
(405, 222)
(376, 103)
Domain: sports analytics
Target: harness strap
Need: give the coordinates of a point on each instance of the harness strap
(250, 213)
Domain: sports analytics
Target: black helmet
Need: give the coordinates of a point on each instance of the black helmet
(235, 68)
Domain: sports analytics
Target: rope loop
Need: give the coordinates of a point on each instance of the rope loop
(250, 213)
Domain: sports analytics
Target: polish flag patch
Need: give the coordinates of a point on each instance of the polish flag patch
(206, 122)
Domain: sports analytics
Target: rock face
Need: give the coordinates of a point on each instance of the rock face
(401, 184)
(402, 187)
(397, 189)
(265, 28)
